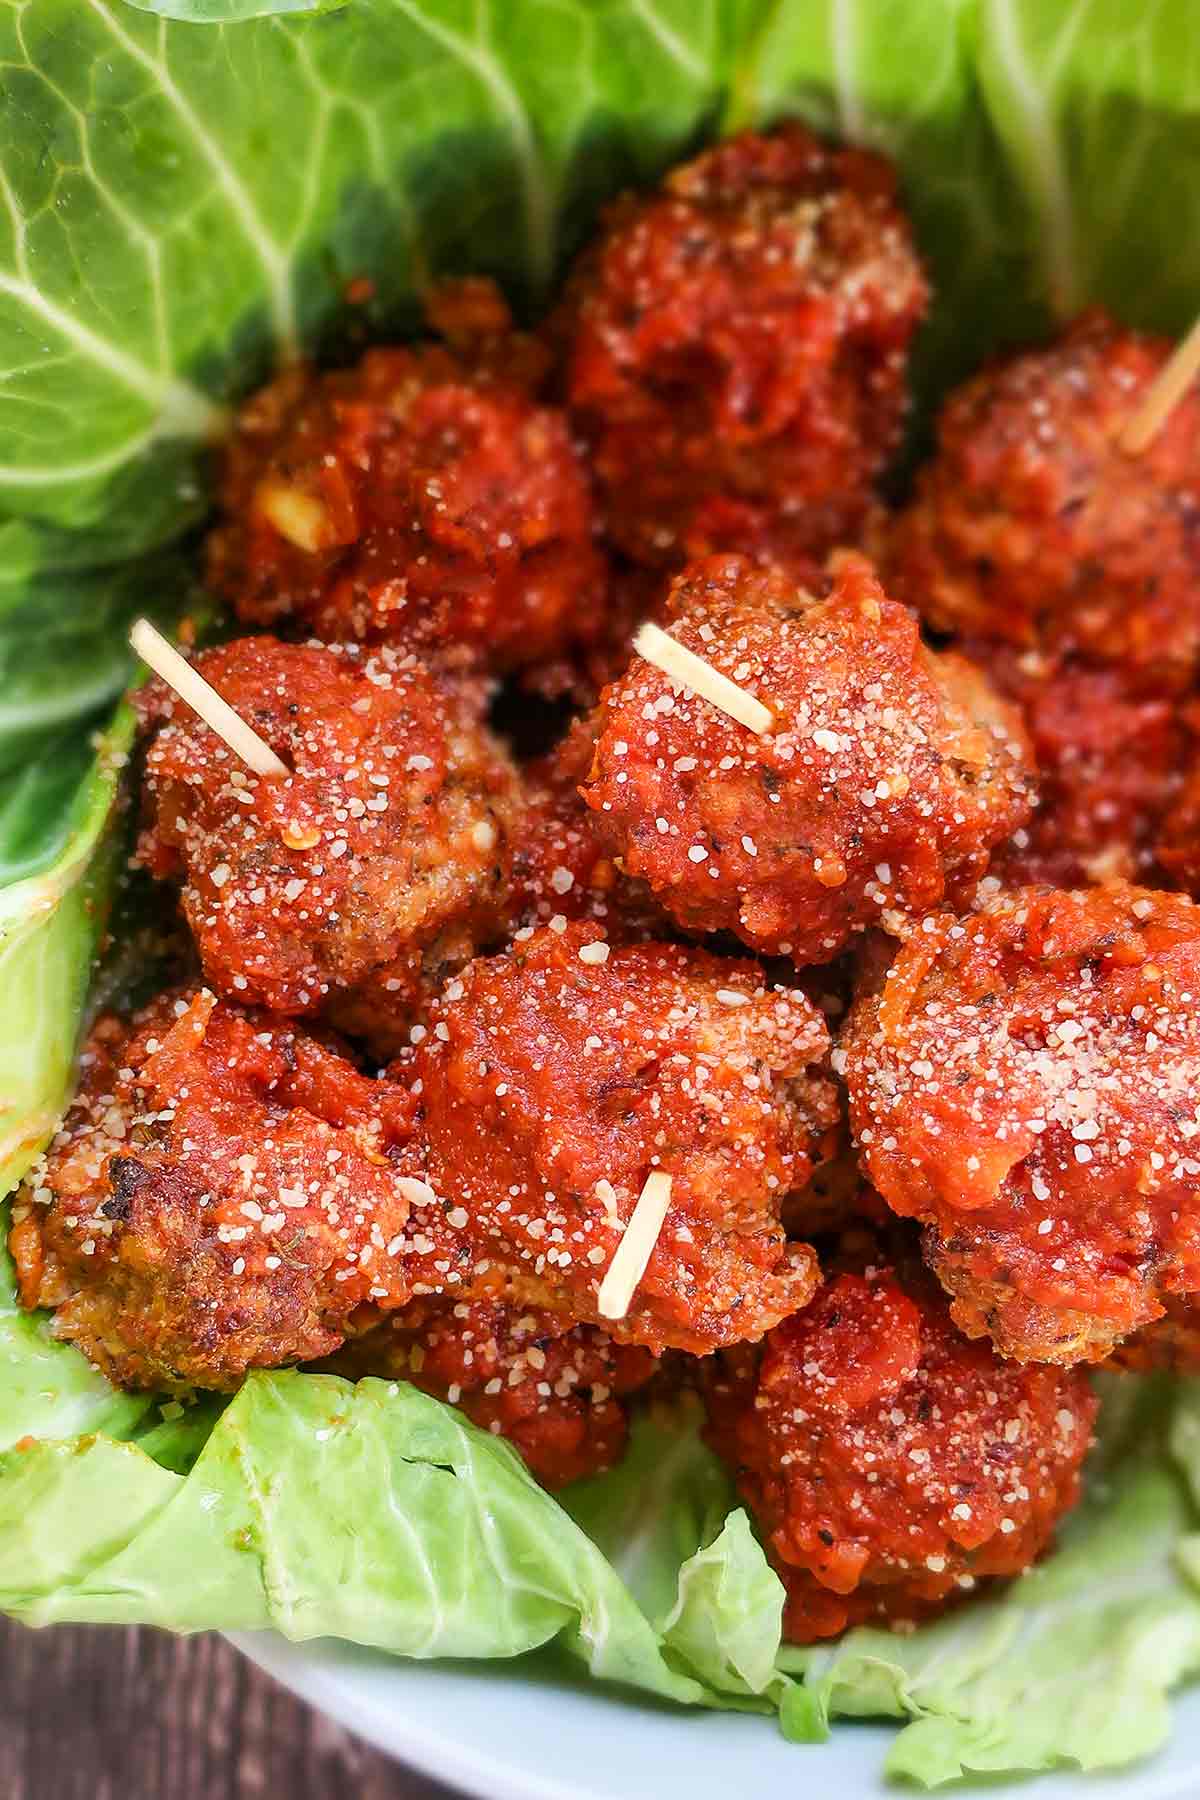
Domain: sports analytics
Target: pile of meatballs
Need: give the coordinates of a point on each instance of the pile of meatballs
(903, 994)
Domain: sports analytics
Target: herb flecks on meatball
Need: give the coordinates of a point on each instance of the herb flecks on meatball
(735, 350)
(1108, 757)
(556, 1078)
(425, 496)
(1026, 1082)
(1033, 526)
(223, 1195)
(888, 774)
(379, 864)
(890, 1463)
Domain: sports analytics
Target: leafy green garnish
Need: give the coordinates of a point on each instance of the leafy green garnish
(665, 1500)
(1070, 1665)
(368, 1512)
(64, 659)
(50, 929)
(38, 803)
(726, 1621)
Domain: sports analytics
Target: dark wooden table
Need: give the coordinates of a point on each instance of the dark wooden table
(111, 1714)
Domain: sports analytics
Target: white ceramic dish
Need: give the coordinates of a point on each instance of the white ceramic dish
(513, 1732)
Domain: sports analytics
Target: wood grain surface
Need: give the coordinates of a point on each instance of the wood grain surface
(103, 1713)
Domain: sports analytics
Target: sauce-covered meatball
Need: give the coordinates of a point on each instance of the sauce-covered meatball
(1026, 1082)
(221, 1197)
(425, 496)
(1108, 758)
(735, 349)
(555, 1391)
(378, 864)
(1033, 526)
(888, 774)
(891, 1464)
(556, 1078)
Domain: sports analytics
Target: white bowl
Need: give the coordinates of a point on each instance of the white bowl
(516, 1731)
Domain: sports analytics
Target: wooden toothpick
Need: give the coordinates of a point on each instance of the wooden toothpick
(205, 701)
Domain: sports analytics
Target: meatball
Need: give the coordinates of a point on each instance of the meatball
(734, 349)
(561, 868)
(556, 1392)
(891, 1464)
(889, 772)
(222, 1196)
(1034, 527)
(1026, 1082)
(381, 862)
(555, 1078)
(1108, 758)
(423, 497)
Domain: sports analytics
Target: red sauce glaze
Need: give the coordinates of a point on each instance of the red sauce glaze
(352, 886)
(222, 1196)
(555, 1078)
(734, 349)
(1026, 1081)
(889, 773)
(561, 866)
(1031, 525)
(890, 1463)
(556, 1392)
(424, 496)
(1109, 757)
